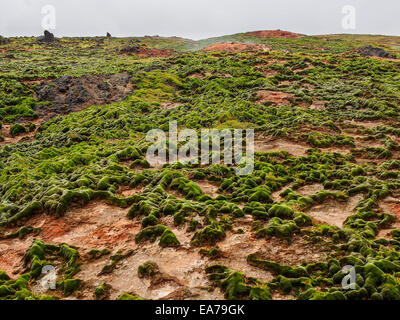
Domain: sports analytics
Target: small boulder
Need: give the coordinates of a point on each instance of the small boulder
(108, 35)
(48, 37)
(3, 40)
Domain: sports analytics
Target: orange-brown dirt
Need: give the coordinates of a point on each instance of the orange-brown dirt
(392, 206)
(275, 34)
(306, 190)
(28, 136)
(269, 145)
(317, 105)
(279, 98)
(237, 47)
(334, 212)
(208, 188)
(182, 270)
(170, 105)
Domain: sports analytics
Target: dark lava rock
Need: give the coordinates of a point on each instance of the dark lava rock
(3, 40)
(70, 94)
(47, 38)
(369, 51)
(130, 49)
(108, 35)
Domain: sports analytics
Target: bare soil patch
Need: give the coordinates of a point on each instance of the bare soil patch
(293, 148)
(318, 105)
(367, 124)
(390, 205)
(23, 137)
(170, 105)
(278, 98)
(12, 252)
(95, 226)
(293, 253)
(208, 188)
(310, 189)
(334, 212)
(306, 190)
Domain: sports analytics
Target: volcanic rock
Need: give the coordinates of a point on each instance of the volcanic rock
(48, 37)
(370, 51)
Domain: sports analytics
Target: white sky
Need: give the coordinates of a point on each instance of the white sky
(196, 19)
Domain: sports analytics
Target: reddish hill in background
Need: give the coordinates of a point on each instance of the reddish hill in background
(274, 34)
(237, 47)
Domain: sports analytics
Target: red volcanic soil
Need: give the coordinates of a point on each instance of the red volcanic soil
(275, 34)
(237, 47)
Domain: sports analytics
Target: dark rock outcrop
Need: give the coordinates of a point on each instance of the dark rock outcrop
(70, 94)
(48, 37)
(3, 40)
(369, 51)
(130, 49)
(108, 35)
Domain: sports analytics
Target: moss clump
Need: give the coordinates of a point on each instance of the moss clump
(278, 228)
(286, 271)
(97, 254)
(313, 294)
(213, 253)
(6, 291)
(102, 292)
(168, 239)
(70, 256)
(29, 210)
(150, 220)
(281, 211)
(70, 286)
(4, 276)
(237, 286)
(17, 129)
(23, 232)
(209, 235)
(150, 233)
(127, 296)
(148, 269)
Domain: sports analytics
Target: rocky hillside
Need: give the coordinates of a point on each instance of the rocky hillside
(78, 194)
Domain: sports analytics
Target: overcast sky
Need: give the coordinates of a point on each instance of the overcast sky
(197, 19)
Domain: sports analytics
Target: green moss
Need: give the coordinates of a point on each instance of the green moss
(148, 269)
(102, 292)
(4, 276)
(88, 155)
(150, 220)
(127, 296)
(281, 211)
(97, 254)
(237, 286)
(70, 286)
(213, 253)
(286, 271)
(17, 129)
(278, 228)
(313, 294)
(150, 233)
(168, 239)
(209, 235)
